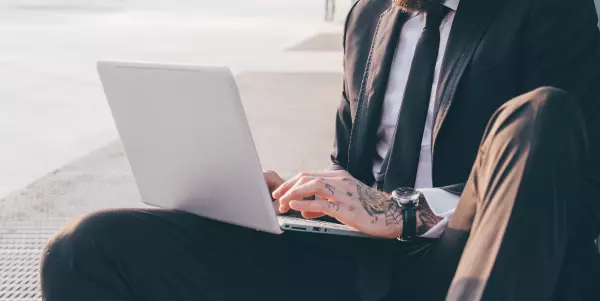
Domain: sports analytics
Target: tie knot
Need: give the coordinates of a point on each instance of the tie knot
(434, 15)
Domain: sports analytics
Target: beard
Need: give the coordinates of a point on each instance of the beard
(412, 6)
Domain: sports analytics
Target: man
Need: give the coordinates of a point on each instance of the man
(435, 95)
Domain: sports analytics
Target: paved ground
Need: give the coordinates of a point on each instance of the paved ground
(60, 155)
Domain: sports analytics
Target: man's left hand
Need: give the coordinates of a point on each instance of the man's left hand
(344, 198)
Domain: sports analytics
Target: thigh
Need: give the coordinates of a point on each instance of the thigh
(423, 269)
(580, 274)
(164, 255)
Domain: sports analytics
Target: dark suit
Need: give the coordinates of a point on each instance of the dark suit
(497, 50)
(527, 165)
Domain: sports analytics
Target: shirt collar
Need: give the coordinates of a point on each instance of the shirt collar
(452, 4)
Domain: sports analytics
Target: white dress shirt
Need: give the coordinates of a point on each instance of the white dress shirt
(398, 78)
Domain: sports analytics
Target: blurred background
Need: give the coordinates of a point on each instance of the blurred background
(52, 109)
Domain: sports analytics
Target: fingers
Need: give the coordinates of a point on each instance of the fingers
(276, 206)
(273, 180)
(284, 205)
(306, 188)
(312, 215)
(283, 188)
(341, 212)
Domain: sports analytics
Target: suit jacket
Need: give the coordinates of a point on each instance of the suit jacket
(496, 51)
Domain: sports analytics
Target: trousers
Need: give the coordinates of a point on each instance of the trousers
(520, 232)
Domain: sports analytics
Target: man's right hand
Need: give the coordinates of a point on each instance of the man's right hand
(273, 182)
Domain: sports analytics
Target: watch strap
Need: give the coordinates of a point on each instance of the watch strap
(409, 217)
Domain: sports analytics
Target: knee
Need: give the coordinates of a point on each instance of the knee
(549, 105)
(545, 115)
(77, 241)
(553, 102)
(545, 109)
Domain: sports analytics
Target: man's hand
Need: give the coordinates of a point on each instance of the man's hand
(344, 198)
(353, 203)
(274, 181)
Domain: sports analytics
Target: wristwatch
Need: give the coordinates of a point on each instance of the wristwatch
(408, 200)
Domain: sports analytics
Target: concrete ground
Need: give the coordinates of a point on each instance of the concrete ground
(60, 155)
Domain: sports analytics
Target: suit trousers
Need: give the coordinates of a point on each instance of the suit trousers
(520, 232)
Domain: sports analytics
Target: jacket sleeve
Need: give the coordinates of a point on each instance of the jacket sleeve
(562, 50)
(343, 127)
(343, 119)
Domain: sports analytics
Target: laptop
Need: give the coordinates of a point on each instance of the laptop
(189, 145)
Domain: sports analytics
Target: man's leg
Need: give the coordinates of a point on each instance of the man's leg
(522, 202)
(165, 255)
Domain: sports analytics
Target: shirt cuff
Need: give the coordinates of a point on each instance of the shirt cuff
(443, 204)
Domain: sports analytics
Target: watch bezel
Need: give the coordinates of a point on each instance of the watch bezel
(406, 196)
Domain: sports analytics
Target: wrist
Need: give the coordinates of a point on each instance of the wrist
(407, 201)
(426, 219)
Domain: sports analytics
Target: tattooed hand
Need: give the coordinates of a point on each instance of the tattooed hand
(353, 203)
(341, 196)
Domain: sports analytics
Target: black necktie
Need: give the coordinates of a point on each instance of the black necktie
(399, 168)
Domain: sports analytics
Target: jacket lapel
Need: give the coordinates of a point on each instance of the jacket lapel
(373, 88)
(472, 19)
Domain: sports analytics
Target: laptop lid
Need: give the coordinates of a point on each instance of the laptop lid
(188, 142)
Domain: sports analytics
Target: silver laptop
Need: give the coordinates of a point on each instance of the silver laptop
(189, 145)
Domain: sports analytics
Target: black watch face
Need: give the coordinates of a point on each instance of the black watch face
(406, 195)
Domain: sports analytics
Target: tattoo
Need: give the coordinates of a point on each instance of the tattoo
(330, 188)
(372, 200)
(346, 180)
(393, 216)
(351, 208)
(376, 203)
(334, 206)
(374, 220)
(425, 218)
(350, 194)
